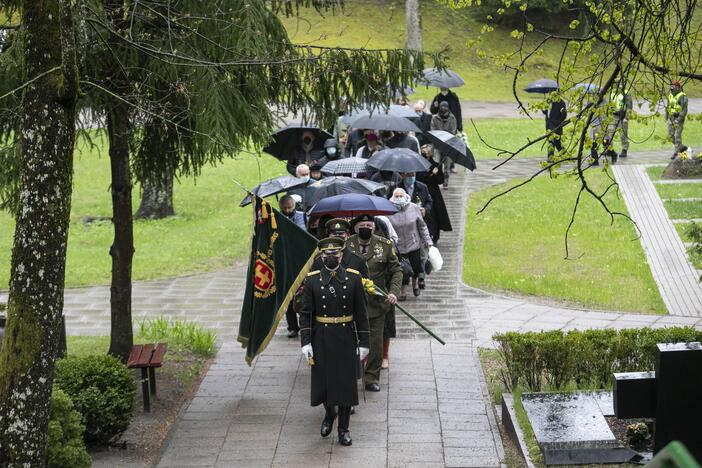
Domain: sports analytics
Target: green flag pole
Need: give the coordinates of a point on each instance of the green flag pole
(372, 288)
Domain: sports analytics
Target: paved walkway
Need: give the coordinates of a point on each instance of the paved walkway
(678, 281)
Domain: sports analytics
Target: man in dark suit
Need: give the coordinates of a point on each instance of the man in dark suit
(555, 116)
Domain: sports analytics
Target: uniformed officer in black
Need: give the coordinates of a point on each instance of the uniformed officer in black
(333, 325)
(339, 227)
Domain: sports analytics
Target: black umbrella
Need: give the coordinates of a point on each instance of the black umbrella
(453, 147)
(330, 186)
(352, 205)
(385, 122)
(274, 186)
(441, 78)
(345, 166)
(398, 160)
(287, 139)
(543, 86)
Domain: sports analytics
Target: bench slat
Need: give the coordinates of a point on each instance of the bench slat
(134, 356)
(145, 356)
(159, 353)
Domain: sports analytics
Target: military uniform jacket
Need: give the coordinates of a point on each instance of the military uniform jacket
(349, 260)
(334, 294)
(383, 268)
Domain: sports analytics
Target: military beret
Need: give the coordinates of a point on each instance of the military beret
(331, 244)
(363, 217)
(337, 225)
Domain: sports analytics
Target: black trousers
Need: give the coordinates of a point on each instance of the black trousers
(291, 317)
(415, 259)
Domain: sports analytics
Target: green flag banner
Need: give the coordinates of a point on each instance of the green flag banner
(281, 256)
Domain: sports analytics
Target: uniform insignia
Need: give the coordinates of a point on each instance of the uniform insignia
(351, 270)
(332, 290)
(312, 273)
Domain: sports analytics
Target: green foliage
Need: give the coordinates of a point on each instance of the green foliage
(65, 447)
(102, 389)
(637, 433)
(517, 244)
(557, 360)
(179, 333)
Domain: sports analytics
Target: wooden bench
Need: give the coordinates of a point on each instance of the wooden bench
(147, 357)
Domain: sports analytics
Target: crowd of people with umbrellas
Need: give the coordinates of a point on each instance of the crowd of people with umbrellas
(387, 162)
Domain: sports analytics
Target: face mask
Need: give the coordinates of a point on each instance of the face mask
(444, 92)
(331, 151)
(330, 262)
(399, 202)
(409, 180)
(365, 233)
(307, 140)
(305, 178)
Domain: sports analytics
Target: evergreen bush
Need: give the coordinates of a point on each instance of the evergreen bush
(65, 447)
(555, 360)
(102, 389)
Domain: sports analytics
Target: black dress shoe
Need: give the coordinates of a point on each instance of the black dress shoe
(292, 333)
(345, 438)
(416, 292)
(373, 387)
(326, 428)
(421, 283)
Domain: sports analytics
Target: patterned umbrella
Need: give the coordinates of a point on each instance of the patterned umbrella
(345, 166)
(441, 78)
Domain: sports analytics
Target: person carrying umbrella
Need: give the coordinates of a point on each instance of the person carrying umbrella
(372, 145)
(438, 218)
(449, 97)
(334, 334)
(305, 153)
(446, 121)
(403, 140)
(385, 271)
(555, 116)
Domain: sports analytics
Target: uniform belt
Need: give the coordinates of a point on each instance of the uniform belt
(342, 319)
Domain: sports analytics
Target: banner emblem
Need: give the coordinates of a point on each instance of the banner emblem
(264, 277)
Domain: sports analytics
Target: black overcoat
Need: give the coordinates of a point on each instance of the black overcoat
(334, 294)
(438, 220)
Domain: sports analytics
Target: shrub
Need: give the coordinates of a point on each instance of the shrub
(637, 433)
(586, 358)
(103, 389)
(180, 333)
(65, 447)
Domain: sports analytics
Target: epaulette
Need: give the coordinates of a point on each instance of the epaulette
(387, 241)
(312, 273)
(351, 270)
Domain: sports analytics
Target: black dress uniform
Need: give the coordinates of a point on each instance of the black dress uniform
(333, 319)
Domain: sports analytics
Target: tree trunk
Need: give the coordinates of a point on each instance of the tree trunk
(414, 25)
(35, 305)
(122, 249)
(156, 199)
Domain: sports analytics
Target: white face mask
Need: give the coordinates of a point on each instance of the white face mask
(400, 202)
(444, 92)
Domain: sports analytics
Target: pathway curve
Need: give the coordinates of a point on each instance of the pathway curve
(678, 281)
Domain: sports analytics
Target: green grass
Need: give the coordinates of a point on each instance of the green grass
(668, 191)
(381, 24)
(81, 346)
(210, 230)
(682, 231)
(178, 333)
(513, 133)
(518, 245)
(683, 209)
(655, 172)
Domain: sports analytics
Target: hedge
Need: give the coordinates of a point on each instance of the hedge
(557, 360)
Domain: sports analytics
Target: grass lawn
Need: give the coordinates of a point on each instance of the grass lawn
(655, 172)
(210, 231)
(667, 191)
(683, 209)
(514, 133)
(518, 245)
(381, 24)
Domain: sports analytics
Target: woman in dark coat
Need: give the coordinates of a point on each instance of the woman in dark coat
(438, 218)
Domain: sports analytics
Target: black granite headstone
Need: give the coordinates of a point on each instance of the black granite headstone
(679, 402)
(672, 395)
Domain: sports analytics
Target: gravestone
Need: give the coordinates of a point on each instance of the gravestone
(571, 428)
(672, 395)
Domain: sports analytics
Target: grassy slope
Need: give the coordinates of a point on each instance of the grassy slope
(210, 231)
(381, 24)
(517, 245)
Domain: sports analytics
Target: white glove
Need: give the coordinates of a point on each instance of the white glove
(307, 351)
(363, 352)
